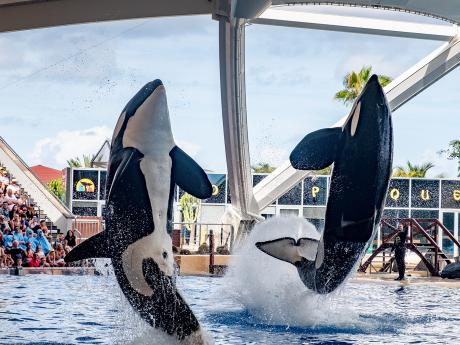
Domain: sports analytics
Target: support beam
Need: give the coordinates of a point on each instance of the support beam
(355, 24)
(233, 96)
(445, 9)
(33, 14)
(401, 90)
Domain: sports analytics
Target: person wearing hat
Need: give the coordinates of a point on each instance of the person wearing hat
(3, 178)
(13, 186)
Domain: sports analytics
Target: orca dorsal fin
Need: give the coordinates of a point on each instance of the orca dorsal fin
(316, 150)
(94, 247)
(287, 249)
(189, 175)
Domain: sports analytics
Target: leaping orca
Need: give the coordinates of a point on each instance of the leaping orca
(362, 153)
(144, 167)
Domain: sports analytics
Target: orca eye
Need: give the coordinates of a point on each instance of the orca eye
(165, 255)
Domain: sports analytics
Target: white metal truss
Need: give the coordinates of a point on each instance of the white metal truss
(356, 24)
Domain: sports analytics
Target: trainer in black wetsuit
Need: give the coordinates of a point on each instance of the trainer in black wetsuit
(399, 246)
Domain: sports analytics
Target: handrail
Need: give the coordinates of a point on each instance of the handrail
(43, 189)
(448, 233)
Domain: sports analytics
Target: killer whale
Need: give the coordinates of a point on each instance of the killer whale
(362, 153)
(144, 167)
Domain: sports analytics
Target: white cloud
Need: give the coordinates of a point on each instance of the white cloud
(56, 150)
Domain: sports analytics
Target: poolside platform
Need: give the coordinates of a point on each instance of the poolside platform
(57, 271)
(413, 278)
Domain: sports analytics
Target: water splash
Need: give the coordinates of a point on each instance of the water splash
(272, 291)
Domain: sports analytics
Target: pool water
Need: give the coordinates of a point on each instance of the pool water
(43, 309)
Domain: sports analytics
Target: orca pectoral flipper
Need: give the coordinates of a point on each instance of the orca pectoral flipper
(94, 247)
(128, 156)
(317, 150)
(189, 175)
(284, 249)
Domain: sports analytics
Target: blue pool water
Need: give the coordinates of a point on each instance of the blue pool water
(47, 309)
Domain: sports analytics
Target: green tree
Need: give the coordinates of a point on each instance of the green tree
(453, 152)
(413, 170)
(354, 83)
(77, 163)
(190, 208)
(263, 168)
(57, 188)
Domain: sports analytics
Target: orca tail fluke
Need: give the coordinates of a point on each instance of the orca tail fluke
(287, 249)
(94, 247)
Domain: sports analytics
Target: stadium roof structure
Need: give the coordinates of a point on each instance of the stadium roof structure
(233, 16)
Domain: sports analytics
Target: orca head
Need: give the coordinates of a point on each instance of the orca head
(370, 113)
(163, 255)
(144, 123)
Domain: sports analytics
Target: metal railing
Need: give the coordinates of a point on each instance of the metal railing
(423, 239)
(190, 236)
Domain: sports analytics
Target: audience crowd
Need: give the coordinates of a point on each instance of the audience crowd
(25, 241)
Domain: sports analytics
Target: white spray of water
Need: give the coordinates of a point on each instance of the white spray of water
(132, 329)
(272, 291)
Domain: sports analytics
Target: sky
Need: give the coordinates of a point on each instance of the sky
(62, 89)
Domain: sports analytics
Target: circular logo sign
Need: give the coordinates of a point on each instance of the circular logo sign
(85, 185)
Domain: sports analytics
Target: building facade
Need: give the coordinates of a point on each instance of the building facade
(406, 198)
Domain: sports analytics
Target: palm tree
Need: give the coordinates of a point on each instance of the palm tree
(413, 170)
(354, 83)
(263, 168)
(77, 163)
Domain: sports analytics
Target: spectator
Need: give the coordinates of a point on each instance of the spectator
(35, 262)
(70, 239)
(7, 239)
(16, 254)
(59, 240)
(14, 187)
(31, 239)
(43, 227)
(17, 236)
(3, 223)
(14, 212)
(59, 255)
(44, 263)
(28, 254)
(43, 242)
(4, 211)
(3, 178)
(30, 213)
(39, 252)
(34, 224)
(11, 198)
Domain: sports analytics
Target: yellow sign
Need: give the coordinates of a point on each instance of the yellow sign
(314, 191)
(394, 194)
(215, 190)
(456, 194)
(425, 194)
(85, 185)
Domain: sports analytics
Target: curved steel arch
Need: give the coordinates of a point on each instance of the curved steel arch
(448, 10)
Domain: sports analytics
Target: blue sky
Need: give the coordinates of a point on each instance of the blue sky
(62, 89)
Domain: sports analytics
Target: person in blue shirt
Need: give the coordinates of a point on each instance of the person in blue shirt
(7, 240)
(31, 239)
(17, 236)
(43, 242)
